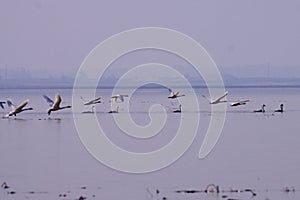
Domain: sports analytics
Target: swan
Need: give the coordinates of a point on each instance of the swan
(179, 110)
(174, 95)
(1, 104)
(55, 106)
(238, 103)
(262, 110)
(4, 185)
(19, 109)
(119, 96)
(93, 101)
(89, 111)
(280, 109)
(114, 111)
(219, 100)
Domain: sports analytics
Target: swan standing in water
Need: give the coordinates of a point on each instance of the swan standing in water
(280, 109)
(19, 109)
(262, 110)
(179, 110)
(174, 95)
(56, 105)
(115, 111)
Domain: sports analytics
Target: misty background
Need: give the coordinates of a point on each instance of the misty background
(43, 43)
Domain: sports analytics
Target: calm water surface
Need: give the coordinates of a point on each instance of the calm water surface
(42, 157)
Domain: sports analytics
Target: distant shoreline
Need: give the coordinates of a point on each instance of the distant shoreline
(148, 87)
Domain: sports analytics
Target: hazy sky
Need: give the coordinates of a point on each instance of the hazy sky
(53, 37)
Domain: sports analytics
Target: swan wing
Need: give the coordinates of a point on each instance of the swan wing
(22, 105)
(48, 100)
(176, 94)
(220, 98)
(1, 105)
(10, 105)
(93, 101)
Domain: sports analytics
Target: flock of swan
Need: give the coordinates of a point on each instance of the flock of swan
(55, 105)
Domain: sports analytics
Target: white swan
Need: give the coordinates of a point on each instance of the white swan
(114, 111)
(239, 103)
(280, 109)
(262, 110)
(119, 96)
(93, 101)
(56, 105)
(174, 95)
(19, 109)
(178, 110)
(219, 100)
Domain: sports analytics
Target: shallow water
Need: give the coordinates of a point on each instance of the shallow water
(42, 157)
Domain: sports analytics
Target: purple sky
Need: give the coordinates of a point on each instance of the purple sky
(53, 37)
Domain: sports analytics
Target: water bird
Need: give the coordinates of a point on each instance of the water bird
(262, 110)
(280, 109)
(81, 198)
(174, 95)
(56, 105)
(239, 103)
(119, 96)
(114, 111)
(17, 110)
(89, 111)
(251, 191)
(178, 110)
(1, 104)
(4, 185)
(93, 101)
(211, 188)
(218, 100)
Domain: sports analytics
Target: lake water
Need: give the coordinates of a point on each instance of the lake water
(42, 157)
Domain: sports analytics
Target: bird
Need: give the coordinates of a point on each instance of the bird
(262, 110)
(1, 104)
(174, 95)
(119, 96)
(56, 105)
(178, 110)
(93, 101)
(114, 111)
(89, 111)
(280, 109)
(5, 186)
(238, 103)
(19, 109)
(219, 100)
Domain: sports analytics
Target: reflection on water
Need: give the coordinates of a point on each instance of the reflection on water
(41, 157)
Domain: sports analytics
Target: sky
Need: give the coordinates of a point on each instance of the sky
(244, 38)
